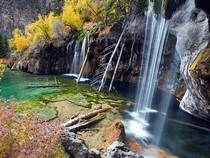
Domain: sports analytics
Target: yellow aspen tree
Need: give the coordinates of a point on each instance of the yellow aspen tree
(19, 41)
(71, 17)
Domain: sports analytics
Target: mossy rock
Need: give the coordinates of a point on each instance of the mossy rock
(44, 114)
(80, 100)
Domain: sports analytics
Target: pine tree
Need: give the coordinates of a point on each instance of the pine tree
(4, 48)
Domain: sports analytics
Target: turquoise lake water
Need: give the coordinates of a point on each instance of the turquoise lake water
(16, 84)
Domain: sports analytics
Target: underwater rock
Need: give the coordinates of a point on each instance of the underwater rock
(191, 28)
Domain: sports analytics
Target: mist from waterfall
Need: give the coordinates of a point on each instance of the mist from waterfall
(154, 42)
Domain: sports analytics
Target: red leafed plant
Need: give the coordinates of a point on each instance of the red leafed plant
(21, 137)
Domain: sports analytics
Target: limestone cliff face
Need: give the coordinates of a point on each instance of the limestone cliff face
(18, 13)
(191, 28)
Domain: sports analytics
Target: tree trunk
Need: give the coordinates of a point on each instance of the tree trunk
(82, 125)
(115, 71)
(83, 65)
(110, 60)
(84, 116)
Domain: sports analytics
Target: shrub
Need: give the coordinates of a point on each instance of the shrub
(22, 137)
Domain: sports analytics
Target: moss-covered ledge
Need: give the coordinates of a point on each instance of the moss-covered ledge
(200, 73)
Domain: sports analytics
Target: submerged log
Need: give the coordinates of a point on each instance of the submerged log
(41, 86)
(84, 116)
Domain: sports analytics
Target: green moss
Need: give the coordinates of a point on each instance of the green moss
(36, 103)
(44, 114)
(22, 108)
(79, 99)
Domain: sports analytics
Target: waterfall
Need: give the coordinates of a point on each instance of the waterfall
(74, 65)
(156, 31)
(78, 58)
(68, 53)
(84, 49)
(155, 37)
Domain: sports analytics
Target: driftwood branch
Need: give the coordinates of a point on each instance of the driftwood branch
(82, 125)
(84, 116)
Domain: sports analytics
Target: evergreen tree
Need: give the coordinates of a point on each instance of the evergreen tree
(4, 47)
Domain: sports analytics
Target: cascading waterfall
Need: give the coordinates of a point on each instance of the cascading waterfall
(74, 66)
(78, 58)
(155, 37)
(84, 49)
(68, 52)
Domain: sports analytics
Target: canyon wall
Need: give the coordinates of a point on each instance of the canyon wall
(18, 13)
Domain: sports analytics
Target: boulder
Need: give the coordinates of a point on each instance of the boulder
(115, 132)
(119, 150)
(76, 148)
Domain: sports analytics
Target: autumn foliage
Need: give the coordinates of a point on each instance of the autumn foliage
(51, 27)
(56, 28)
(19, 41)
(21, 137)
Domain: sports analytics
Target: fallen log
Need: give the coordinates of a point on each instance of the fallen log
(84, 116)
(82, 125)
(75, 115)
(41, 86)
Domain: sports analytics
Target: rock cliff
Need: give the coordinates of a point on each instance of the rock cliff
(18, 13)
(190, 25)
